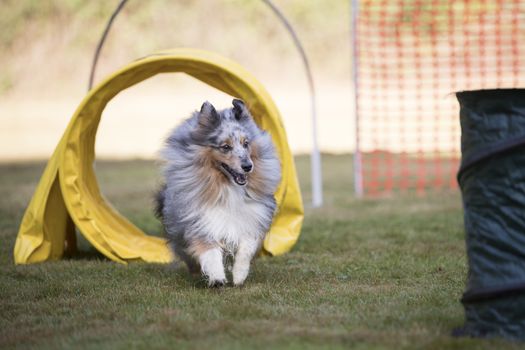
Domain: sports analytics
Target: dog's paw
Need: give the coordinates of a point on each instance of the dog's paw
(216, 283)
(238, 280)
(240, 273)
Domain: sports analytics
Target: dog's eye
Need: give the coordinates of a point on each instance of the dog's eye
(226, 147)
(245, 144)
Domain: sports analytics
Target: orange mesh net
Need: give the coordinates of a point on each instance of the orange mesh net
(412, 56)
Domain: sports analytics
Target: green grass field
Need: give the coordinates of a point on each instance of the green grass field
(383, 273)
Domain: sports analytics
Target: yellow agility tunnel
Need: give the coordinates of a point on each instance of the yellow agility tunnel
(68, 195)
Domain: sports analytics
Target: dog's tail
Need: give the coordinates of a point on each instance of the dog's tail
(160, 196)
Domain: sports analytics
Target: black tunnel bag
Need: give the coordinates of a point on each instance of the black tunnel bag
(492, 181)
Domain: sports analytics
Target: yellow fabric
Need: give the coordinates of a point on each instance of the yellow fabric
(68, 191)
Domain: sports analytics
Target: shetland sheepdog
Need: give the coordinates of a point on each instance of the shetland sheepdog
(217, 199)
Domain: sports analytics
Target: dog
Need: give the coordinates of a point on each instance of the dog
(217, 199)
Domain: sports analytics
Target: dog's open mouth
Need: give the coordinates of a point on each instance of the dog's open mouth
(240, 179)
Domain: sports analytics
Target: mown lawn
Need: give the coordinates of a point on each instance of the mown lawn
(383, 273)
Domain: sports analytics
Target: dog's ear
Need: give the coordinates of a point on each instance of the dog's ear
(208, 115)
(239, 110)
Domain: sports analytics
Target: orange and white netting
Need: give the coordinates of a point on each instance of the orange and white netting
(412, 55)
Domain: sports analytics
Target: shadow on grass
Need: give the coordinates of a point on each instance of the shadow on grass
(87, 254)
(160, 271)
(183, 276)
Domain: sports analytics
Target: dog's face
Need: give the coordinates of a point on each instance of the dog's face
(227, 137)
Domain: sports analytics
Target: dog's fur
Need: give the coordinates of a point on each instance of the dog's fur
(220, 175)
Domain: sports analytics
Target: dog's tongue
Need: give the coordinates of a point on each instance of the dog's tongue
(240, 179)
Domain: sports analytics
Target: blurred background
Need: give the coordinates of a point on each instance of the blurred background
(411, 56)
(47, 47)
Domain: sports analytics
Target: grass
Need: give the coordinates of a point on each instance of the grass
(383, 273)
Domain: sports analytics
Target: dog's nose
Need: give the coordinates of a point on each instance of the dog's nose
(247, 168)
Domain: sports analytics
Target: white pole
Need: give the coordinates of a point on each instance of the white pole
(317, 190)
(317, 181)
(358, 164)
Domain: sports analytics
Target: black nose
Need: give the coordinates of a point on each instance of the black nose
(247, 168)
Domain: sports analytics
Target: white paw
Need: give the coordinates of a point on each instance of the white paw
(212, 268)
(239, 274)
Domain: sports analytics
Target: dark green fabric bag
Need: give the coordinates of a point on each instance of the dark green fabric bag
(492, 181)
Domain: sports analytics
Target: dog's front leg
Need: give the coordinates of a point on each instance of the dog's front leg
(212, 267)
(243, 257)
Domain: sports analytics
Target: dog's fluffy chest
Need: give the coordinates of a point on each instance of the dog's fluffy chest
(235, 217)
